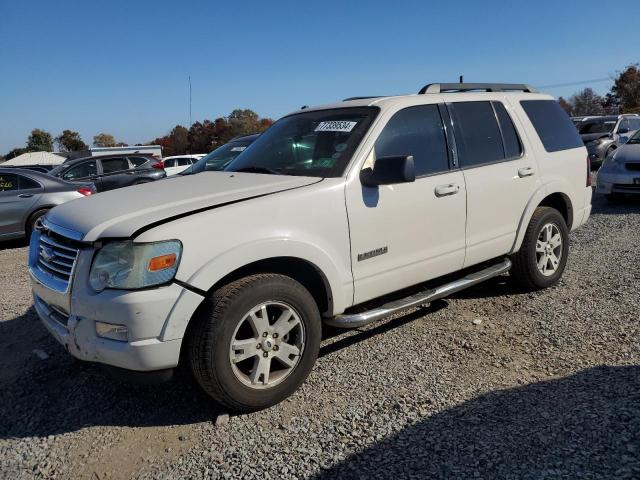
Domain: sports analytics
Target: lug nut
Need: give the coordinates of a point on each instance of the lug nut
(275, 335)
(264, 334)
(265, 354)
(276, 347)
(258, 346)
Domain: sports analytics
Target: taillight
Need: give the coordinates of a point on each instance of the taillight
(86, 191)
(588, 171)
(158, 165)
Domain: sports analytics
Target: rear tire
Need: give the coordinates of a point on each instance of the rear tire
(230, 345)
(542, 257)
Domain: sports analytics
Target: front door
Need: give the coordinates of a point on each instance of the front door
(404, 234)
(116, 173)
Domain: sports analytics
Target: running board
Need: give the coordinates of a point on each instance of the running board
(355, 320)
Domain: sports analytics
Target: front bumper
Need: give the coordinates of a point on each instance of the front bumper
(156, 318)
(618, 182)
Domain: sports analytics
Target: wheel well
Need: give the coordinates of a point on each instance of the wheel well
(562, 203)
(300, 270)
(30, 216)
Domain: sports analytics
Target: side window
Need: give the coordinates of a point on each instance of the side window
(8, 182)
(624, 123)
(512, 144)
(112, 165)
(184, 162)
(169, 163)
(84, 170)
(634, 123)
(477, 133)
(138, 161)
(553, 125)
(26, 183)
(416, 131)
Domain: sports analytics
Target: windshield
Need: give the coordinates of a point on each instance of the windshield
(597, 126)
(635, 138)
(315, 144)
(219, 158)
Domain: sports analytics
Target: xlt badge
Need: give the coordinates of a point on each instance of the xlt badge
(372, 253)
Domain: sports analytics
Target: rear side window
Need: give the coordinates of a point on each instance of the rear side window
(114, 165)
(416, 131)
(477, 133)
(512, 145)
(138, 161)
(169, 163)
(553, 125)
(26, 183)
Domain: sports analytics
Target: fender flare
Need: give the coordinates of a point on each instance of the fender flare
(536, 199)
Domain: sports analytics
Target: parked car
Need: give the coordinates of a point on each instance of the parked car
(336, 215)
(602, 135)
(620, 172)
(176, 164)
(221, 156)
(111, 171)
(25, 196)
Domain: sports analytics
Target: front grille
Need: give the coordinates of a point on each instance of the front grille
(633, 166)
(57, 256)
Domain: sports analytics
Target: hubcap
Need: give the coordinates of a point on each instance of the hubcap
(549, 249)
(267, 345)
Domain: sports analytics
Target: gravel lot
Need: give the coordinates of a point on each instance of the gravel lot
(492, 383)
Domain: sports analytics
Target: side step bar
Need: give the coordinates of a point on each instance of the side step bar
(363, 318)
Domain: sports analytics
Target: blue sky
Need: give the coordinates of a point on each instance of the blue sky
(122, 67)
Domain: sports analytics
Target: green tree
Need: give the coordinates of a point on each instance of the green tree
(39, 141)
(104, 140)
(14, 153)
(70, 141)
(626, 89)
(587, 102)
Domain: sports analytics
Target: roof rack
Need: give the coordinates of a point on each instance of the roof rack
(362, 98)
(469, 87)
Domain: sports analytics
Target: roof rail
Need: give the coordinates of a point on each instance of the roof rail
(469, 87)
(362, 98)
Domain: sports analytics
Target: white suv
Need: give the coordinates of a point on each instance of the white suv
(330, 210)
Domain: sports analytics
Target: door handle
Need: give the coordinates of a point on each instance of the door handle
(449, 189)
(526, 172)
(25, 195)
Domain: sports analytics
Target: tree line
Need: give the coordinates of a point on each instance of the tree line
(201, 137)
(623, 97)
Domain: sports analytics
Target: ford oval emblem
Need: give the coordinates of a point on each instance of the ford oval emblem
(48, 254)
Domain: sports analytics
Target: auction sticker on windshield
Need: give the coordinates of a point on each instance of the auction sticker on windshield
(336, 126)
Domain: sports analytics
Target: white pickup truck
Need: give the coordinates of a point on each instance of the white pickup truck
(340, 214)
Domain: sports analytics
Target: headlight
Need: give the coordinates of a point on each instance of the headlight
(130, 266)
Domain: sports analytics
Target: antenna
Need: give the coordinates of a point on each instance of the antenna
(461, 79)
(190, 121)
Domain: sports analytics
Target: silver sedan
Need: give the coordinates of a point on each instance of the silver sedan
(620, 172)
(25, 196)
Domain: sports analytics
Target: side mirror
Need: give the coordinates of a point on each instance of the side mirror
(388, 171)
(623, 130)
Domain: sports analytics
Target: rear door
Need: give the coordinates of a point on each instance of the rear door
(500, 176)
(18, 194)
(404, 234)
(116, 173)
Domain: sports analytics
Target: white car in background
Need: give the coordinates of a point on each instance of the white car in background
(178, 163)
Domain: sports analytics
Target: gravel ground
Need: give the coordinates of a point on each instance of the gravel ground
(492, 383)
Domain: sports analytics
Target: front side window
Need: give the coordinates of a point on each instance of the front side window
(317, 143)
(416, 131)
(8, 182)
(114, 165)
(477, 133)
(84, 170)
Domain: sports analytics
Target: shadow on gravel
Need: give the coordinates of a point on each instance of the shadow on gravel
(601, 206)
(60, 394)
(583, 426)
(11, 244)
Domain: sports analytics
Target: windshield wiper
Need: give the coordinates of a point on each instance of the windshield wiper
(255, 169)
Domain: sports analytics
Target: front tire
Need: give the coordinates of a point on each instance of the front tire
(34, 220)
(542, 257)
(254, 341)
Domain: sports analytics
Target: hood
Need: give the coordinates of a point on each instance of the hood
(628, 153)
(588, 137)
(120, 213)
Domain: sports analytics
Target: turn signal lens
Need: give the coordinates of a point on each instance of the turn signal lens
(162, 262)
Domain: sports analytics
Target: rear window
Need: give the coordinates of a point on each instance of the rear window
(553, 125)
(114, 165)
(477, 133)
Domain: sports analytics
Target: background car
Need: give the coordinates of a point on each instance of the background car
(602, 135)
(221, 156)
(25, 196)
(620, 172)
(176, 164)
(113, 171)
